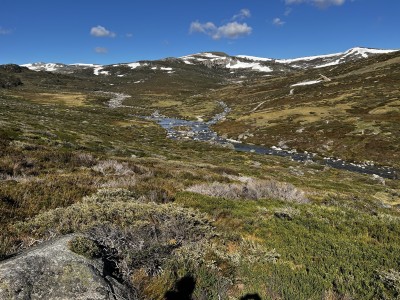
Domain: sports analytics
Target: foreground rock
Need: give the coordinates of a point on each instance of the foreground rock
(52, 271)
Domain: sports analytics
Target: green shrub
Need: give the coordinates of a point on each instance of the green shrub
(84, 246)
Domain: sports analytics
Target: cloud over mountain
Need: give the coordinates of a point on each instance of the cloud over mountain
(243, 14)
(100, 31)
(4, 31)
(319, 3)
(278, 22)
(101, 50)
(230, 30)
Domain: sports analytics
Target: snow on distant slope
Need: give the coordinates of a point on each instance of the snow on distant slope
(57, 67)
(85, 65)
(221, 60)
(306, 83)
(332, 63)
(254, 58)
(365, 51)
(245, 65)
(209, 55)
(98, 71)
(225, 61)
(321, 61)
(306, 58)
(200, 57)
(50, 67)
(135, 65)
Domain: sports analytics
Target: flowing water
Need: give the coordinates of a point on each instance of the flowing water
(201, 131)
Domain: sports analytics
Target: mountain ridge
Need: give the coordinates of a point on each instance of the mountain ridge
(222, 60)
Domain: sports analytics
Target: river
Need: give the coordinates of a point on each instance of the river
(201, 131)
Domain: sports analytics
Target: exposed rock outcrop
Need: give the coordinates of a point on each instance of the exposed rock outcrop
(52, 271)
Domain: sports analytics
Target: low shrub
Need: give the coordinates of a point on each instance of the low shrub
(84, 246)
(112, 167)
(252, 189)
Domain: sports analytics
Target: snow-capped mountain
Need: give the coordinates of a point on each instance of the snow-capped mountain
(58, 67)
(218, 60)
(322, 61)
(269, 64)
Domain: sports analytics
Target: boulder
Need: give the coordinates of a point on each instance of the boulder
(52, 271)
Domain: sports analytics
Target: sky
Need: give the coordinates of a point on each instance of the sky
(106, 32)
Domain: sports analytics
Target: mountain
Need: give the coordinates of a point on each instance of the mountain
(217, 60)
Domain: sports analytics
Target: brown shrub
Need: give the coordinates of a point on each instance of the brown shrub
(252, 189)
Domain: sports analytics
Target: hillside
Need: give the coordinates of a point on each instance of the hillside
(135, 163)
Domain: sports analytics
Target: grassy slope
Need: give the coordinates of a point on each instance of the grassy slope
(355, 116)
(56, 150)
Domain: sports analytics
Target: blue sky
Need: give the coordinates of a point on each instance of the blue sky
(108, 32)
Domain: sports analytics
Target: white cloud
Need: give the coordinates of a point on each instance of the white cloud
(278, 22)
(4, 31)
(100, 31)
(288, 11)
(319, 3)
(101, 50)
(243, 14)
(231, 30)
(206, 28)
(129, 35)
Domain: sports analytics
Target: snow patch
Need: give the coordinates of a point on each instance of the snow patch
(254, 58)
(85, 65)
(306, 83)
(365, 51)
(134, 65)
(246, 65)
(170, 70)
(333, 63)
(188, 59)
(307, 58)
(49, 67)
(209, 55)
(98, 71)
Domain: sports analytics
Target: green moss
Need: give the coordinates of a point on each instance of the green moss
(84, 246)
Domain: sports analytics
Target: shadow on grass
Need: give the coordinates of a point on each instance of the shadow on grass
(251, 297)
(184, 288)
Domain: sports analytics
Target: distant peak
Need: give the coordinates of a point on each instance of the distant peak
(363, 51)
